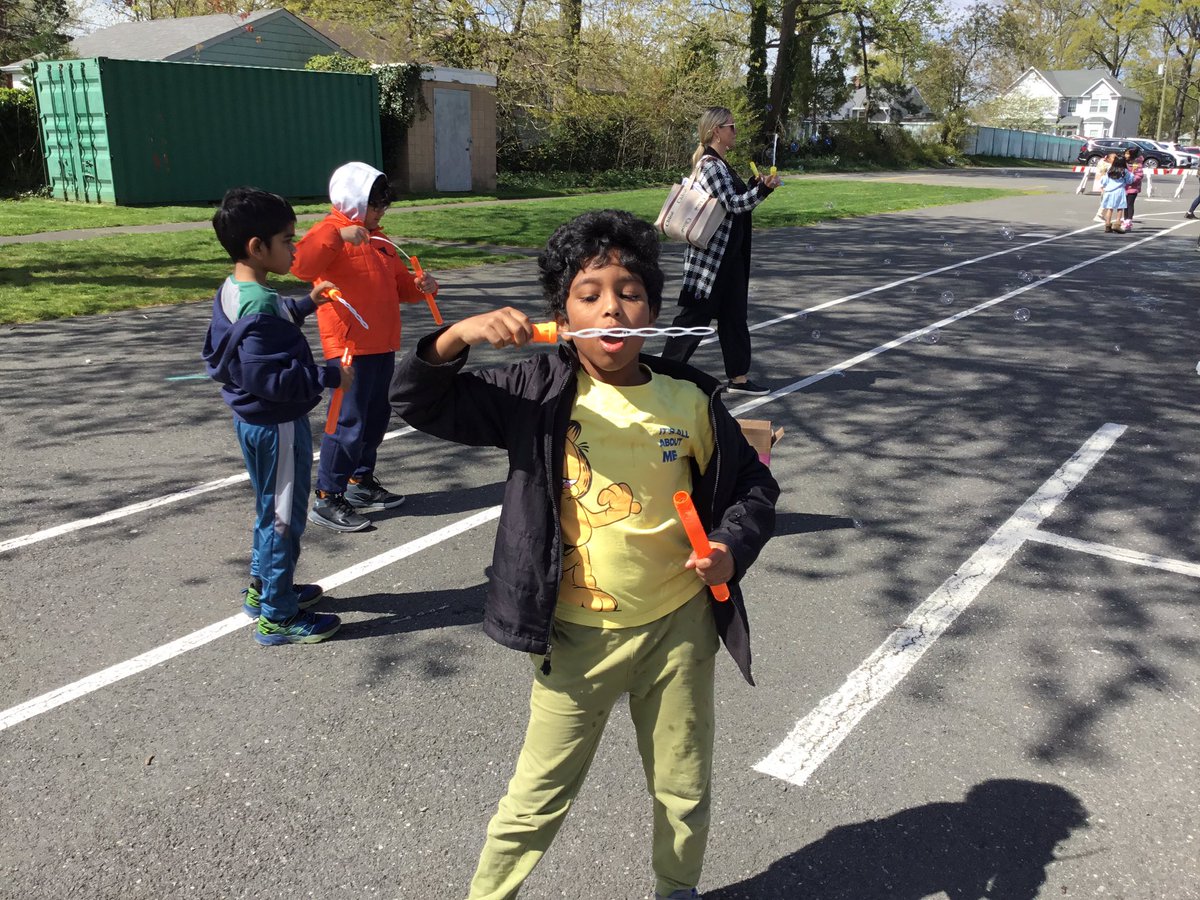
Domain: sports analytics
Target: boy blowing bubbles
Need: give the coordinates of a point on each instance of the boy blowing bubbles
(592, 573)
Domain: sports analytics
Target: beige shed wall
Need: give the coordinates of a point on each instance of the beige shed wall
(416, 167)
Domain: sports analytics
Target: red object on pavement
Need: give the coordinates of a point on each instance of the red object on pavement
(695, 533)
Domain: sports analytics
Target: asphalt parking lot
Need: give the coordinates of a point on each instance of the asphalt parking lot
(976, 633)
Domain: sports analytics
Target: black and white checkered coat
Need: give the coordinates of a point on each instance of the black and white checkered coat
(720, 181)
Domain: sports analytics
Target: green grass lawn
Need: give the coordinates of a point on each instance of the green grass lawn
(75, 278)
(798, 202)
(37, 215)
(66, 278)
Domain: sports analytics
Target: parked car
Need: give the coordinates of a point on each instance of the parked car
(1153, 156)
(1188, 158)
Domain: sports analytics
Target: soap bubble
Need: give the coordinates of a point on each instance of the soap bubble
(1004, 173)
(802, 316)
(1117, 347)
(800, 170)
(932, 337)
(841, 254)
(857, 523)
(947, 247)
(829, 205)
(1007, 233)
(816, 335)
(809, 248)
(887, 261)
(947, 297)
(1198, 368)
(1026, 277)
(1021, 315)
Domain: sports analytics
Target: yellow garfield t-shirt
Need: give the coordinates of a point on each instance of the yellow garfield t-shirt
(623, 545)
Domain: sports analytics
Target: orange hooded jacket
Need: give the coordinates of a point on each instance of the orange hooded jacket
(372, 277)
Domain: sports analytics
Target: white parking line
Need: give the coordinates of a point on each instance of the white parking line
(144, 506)
(113, 674)
(1135, 557)
(820, 732)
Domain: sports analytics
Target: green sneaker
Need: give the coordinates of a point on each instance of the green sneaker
(302, 628)
(308, 594)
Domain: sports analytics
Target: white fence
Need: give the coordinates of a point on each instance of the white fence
(986, 141)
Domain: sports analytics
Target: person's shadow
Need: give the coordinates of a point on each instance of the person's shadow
(995, 844)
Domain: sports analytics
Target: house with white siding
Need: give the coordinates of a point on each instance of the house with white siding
(1088, 102)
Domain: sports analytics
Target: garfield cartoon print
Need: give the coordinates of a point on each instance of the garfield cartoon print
(579, 521)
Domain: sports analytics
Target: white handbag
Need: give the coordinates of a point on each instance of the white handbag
(690, 213)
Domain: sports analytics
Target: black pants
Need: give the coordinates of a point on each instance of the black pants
(1129, 201)
(727, 303)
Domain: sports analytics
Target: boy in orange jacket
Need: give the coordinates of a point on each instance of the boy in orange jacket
(348, 248)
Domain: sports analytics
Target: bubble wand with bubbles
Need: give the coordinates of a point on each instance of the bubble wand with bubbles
(419, 272)
(549, 332)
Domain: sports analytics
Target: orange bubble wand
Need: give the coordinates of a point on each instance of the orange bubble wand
(419, 272)
(433, 307)
(335, 402)
(695, 533)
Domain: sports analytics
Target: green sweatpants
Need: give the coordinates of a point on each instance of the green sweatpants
(666, 667)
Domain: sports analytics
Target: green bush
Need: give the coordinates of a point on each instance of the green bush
(862, 145)
(21, 168)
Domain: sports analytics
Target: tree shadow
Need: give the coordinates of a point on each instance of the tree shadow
(806, 523)
(995, 844)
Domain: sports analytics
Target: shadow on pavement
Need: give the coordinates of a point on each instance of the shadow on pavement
(996, 844)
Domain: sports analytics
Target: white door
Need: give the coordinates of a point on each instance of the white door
(451, 140)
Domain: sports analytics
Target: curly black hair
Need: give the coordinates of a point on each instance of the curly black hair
(592, 236)
(247, 212)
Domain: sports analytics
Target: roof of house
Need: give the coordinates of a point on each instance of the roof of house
(912, 97)
(1079, 82)
(164, 38)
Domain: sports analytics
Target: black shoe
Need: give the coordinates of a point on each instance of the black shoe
(332, 511)
(1189, 215)
(746, 387)
(368, 495)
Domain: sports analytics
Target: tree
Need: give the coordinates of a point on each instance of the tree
(1019, 111)
(958, 70)
(30, 27)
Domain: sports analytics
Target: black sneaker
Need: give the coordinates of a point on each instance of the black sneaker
(1189, 215)
(368, 495)
(332, 511)
(746, 387)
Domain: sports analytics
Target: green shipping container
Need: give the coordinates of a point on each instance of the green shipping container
(127, 131)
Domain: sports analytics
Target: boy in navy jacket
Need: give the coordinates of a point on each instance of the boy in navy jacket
(592, 573)
(256, 349)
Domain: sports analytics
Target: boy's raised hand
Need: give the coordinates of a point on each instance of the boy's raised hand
(716, 568)
(507, 327)
(354, 234)
(319, 292)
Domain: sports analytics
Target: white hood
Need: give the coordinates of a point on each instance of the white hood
(349, 188)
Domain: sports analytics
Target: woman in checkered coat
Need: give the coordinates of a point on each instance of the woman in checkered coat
(716, 280)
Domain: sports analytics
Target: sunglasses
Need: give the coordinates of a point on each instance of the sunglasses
(730, 126)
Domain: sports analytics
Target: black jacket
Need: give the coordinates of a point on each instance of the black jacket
(525, 409)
